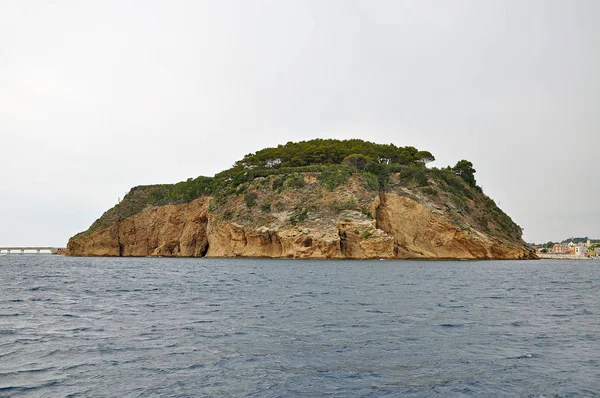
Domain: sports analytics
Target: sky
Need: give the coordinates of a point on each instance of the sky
(99, 96)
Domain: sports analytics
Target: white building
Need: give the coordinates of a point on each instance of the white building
(581, 250)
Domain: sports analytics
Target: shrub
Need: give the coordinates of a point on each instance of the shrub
(430, 191)
(265, 207)
(299, 216)
(420, 178)
(370, 181)
(337, 207)
(278, 182)
(295, 180)
(333, 179)
(357, 160)
(460, 202)
(250, 199)
(366, 211)
(382, 172)
(243, 187)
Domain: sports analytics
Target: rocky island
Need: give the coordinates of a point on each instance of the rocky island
(321, 198)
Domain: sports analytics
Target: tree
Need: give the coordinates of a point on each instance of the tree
(357, 160)
(382, 172)
(465, 170)
(424, 157)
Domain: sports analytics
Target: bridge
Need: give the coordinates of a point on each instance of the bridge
(38, 249)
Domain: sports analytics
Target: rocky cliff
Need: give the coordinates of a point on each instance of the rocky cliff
(304, 215)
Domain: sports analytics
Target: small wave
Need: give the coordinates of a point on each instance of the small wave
(452, 325)
(7, 331)
(81, 329)
(518, 323)
(22, 371)
(23, 389)
(524, 356)
(450, 306)
(327, 325)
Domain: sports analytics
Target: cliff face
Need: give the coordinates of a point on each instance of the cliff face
(307, 221)
(170, 230)
(421, 233)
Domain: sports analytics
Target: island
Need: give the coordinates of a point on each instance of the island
(321, 199)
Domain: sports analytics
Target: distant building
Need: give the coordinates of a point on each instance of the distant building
(562, 249)
(581, 250)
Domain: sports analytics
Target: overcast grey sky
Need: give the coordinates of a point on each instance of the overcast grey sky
(99, 96)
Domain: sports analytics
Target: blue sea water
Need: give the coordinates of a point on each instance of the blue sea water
(145, 327)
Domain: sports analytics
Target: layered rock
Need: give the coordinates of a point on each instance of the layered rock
(170, 230)
(419, 232)
(399, 227)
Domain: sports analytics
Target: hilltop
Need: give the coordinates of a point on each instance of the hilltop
(313, 199)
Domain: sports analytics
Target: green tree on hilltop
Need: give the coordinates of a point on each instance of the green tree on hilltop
(465, 170)
(357, 160)
(424, 157)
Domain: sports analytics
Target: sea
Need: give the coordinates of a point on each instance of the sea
(187, 327)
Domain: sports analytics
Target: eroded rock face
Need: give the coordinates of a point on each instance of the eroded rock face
(401, 228)
(337, 240)
(171, 230)
(420, 233)
(101, 243)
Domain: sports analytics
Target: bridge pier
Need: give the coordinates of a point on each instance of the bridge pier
(38, 249)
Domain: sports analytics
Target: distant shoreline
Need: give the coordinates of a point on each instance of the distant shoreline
(560, 256)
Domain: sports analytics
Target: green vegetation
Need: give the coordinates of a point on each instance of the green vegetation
(334, 178)
(300, 215)
(331, 151)
(357, 161)
(295, 180)
(250, 199)
(465, 170)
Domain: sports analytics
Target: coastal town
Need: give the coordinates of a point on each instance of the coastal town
(574, 248)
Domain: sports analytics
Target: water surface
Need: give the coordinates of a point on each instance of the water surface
(140, 327)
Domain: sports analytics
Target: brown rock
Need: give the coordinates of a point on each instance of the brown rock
(313, 222)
